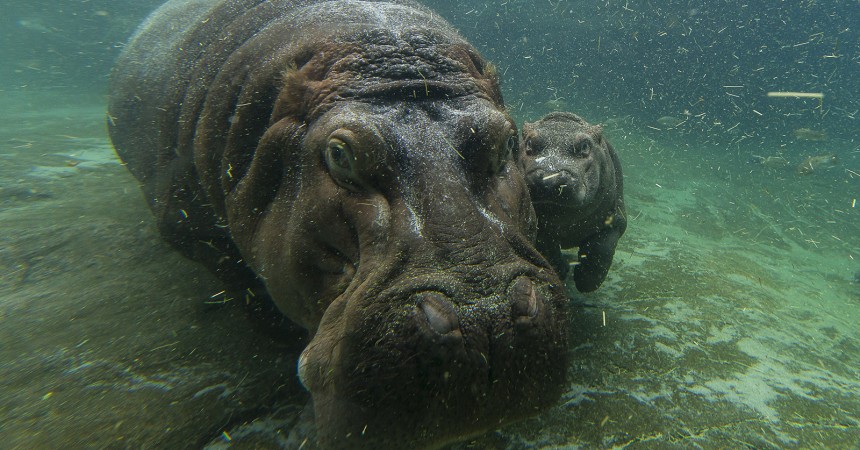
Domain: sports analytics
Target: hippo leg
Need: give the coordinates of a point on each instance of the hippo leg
(595, 257)
(552, 252)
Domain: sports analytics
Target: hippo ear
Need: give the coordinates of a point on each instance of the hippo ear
(489, 70)
(526, 143)
(528, 130)
(485, 74)
(295, 96)
(596, 132)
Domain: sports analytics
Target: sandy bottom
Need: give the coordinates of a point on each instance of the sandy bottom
(729, 319)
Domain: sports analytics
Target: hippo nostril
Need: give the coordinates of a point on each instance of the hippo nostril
(537, 174)
(552, 180)
(439, 312)
(525, 300)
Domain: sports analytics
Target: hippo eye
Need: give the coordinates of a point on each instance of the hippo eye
(504, 154)
(339, 154)
(530, 150)
(511, 144)
(582, 146)
(340, 160)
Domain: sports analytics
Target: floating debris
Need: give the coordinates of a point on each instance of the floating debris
(557, 104)
(814, 163)
(796, 94)
(808, 134)
(617, 122)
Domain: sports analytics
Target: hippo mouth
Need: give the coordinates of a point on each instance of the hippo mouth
(439, 365)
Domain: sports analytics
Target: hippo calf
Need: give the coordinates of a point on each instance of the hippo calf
(576, 185)
(356, 158)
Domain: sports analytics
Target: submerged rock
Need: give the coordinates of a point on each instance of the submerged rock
(819, 162)
(771, 162)
(670, 121)
(808, 134)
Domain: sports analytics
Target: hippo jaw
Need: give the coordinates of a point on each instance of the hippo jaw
(402, 239)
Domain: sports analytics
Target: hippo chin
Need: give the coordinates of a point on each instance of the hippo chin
(357, 159)
(576, 184)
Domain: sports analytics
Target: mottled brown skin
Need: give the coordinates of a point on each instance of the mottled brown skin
(357, 159)
(575, 180)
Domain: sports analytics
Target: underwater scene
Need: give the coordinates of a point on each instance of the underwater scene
(728, 318)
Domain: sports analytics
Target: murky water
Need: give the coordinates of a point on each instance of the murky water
(729, 318)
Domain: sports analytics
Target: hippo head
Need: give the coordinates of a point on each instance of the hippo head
(566, 161)
(386, 210)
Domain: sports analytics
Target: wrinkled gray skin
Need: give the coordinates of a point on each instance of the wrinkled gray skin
(357, 158)
(574, 176)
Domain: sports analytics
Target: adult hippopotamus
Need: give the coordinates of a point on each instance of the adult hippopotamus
(357, 158)
(575, 180)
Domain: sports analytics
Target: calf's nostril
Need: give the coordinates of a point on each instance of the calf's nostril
(554, 179)
(525, 300)
(439, 312)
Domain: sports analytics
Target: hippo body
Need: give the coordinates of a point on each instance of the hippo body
(356, 159)
(576, 184)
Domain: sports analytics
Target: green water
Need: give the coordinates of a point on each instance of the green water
(729, 318)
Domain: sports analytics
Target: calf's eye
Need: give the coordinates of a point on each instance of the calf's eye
(530, 150)
(582, 145)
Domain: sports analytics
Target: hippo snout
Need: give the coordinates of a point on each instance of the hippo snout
(556, 186)
(481, 361)
(438, 317)
(553, 179)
